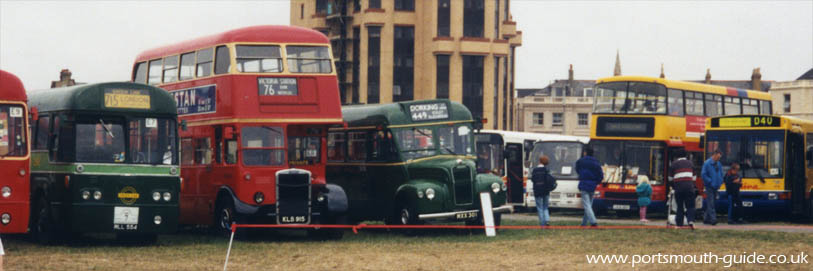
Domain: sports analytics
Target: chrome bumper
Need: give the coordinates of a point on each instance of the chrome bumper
(496, 210)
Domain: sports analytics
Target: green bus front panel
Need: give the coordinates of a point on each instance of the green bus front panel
(127, 204)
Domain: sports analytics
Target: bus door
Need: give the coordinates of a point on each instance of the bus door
(514, 167)
(795, 173)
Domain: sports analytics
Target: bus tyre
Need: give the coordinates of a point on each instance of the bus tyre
(224, 217)
(44, 229)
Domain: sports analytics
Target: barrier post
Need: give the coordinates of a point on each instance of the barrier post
(488, 214)
(231, 239)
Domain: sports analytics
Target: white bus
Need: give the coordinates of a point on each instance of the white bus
(563, 154)
(509, 155)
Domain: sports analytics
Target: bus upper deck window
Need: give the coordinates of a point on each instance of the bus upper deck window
(308, 59)
(222, 60)
(155, 72)
(259, 58)
(170, 69)
(141, 73)
(204, 62)
(187, 66)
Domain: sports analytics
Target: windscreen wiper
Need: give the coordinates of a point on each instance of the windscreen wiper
(109, 133)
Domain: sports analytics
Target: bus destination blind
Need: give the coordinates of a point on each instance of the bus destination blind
(277, 86)
(431, 111)
(752, 121)
(126, 98)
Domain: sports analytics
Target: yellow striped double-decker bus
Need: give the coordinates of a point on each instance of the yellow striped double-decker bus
(775, 154)
(639, 123)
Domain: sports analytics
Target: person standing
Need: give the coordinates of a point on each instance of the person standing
(590, 175)
(543, 183)
(683, 178)
(644, 191)
(733, 182)
(712, 174)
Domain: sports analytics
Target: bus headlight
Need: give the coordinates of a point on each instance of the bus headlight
(156, 196)
(320, 198)
(430, 193)
(247, 177)
(420, 194)
(495, 187)
(772, 196)
(157, 220)
(6, 191)
(80, 168)
(97, 195)
(85, 195)
(597, 194)
(259, 197)
(173, 170)
(504, 187)
(167, 196)
(6, 218)
(22, 172)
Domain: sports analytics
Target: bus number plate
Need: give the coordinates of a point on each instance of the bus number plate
(620, 207)
(466, 215)
(747, 204)
(293, 219)
(125, 218)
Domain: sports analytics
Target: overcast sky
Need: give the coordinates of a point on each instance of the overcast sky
(98, 41)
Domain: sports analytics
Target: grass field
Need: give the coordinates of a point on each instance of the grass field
(383, 250)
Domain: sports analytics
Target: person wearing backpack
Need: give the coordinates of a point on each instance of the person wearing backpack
(543, 183)
(644, 191)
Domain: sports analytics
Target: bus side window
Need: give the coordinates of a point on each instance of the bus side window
(41, 142)
(381, 145)
(203, 67)
(218, 143)
(222, 60)
(231, 151)
(187, 152)
(809, 152)
(357, 146)
(203, 151)
(336, 143)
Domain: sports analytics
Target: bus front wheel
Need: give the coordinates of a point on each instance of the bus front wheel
(224, 216)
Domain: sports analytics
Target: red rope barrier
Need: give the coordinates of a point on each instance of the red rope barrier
(356, 228)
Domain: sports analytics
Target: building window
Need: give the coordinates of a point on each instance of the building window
(373, 62)
(375, 4)
(588, 92)
(473, 85)
(558, 119)
(582, 119)
(497, 20)
(473, 14)
(405, 5)
(539, 119)
(495, 90)
(356, 63)
(442, 76)
(786, 103)
(403, 57)
(356, 5)
(560, 91)
(505, 94)
(321, 6)
(302, 11)
(443, 18)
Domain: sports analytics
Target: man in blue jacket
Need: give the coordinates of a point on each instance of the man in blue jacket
(590, 175)
(712, 180)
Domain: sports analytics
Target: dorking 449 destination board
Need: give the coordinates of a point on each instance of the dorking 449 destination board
(746, 121)
(429, 111)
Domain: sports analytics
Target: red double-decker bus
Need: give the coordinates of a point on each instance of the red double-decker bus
(14, 155)
(254, 104)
